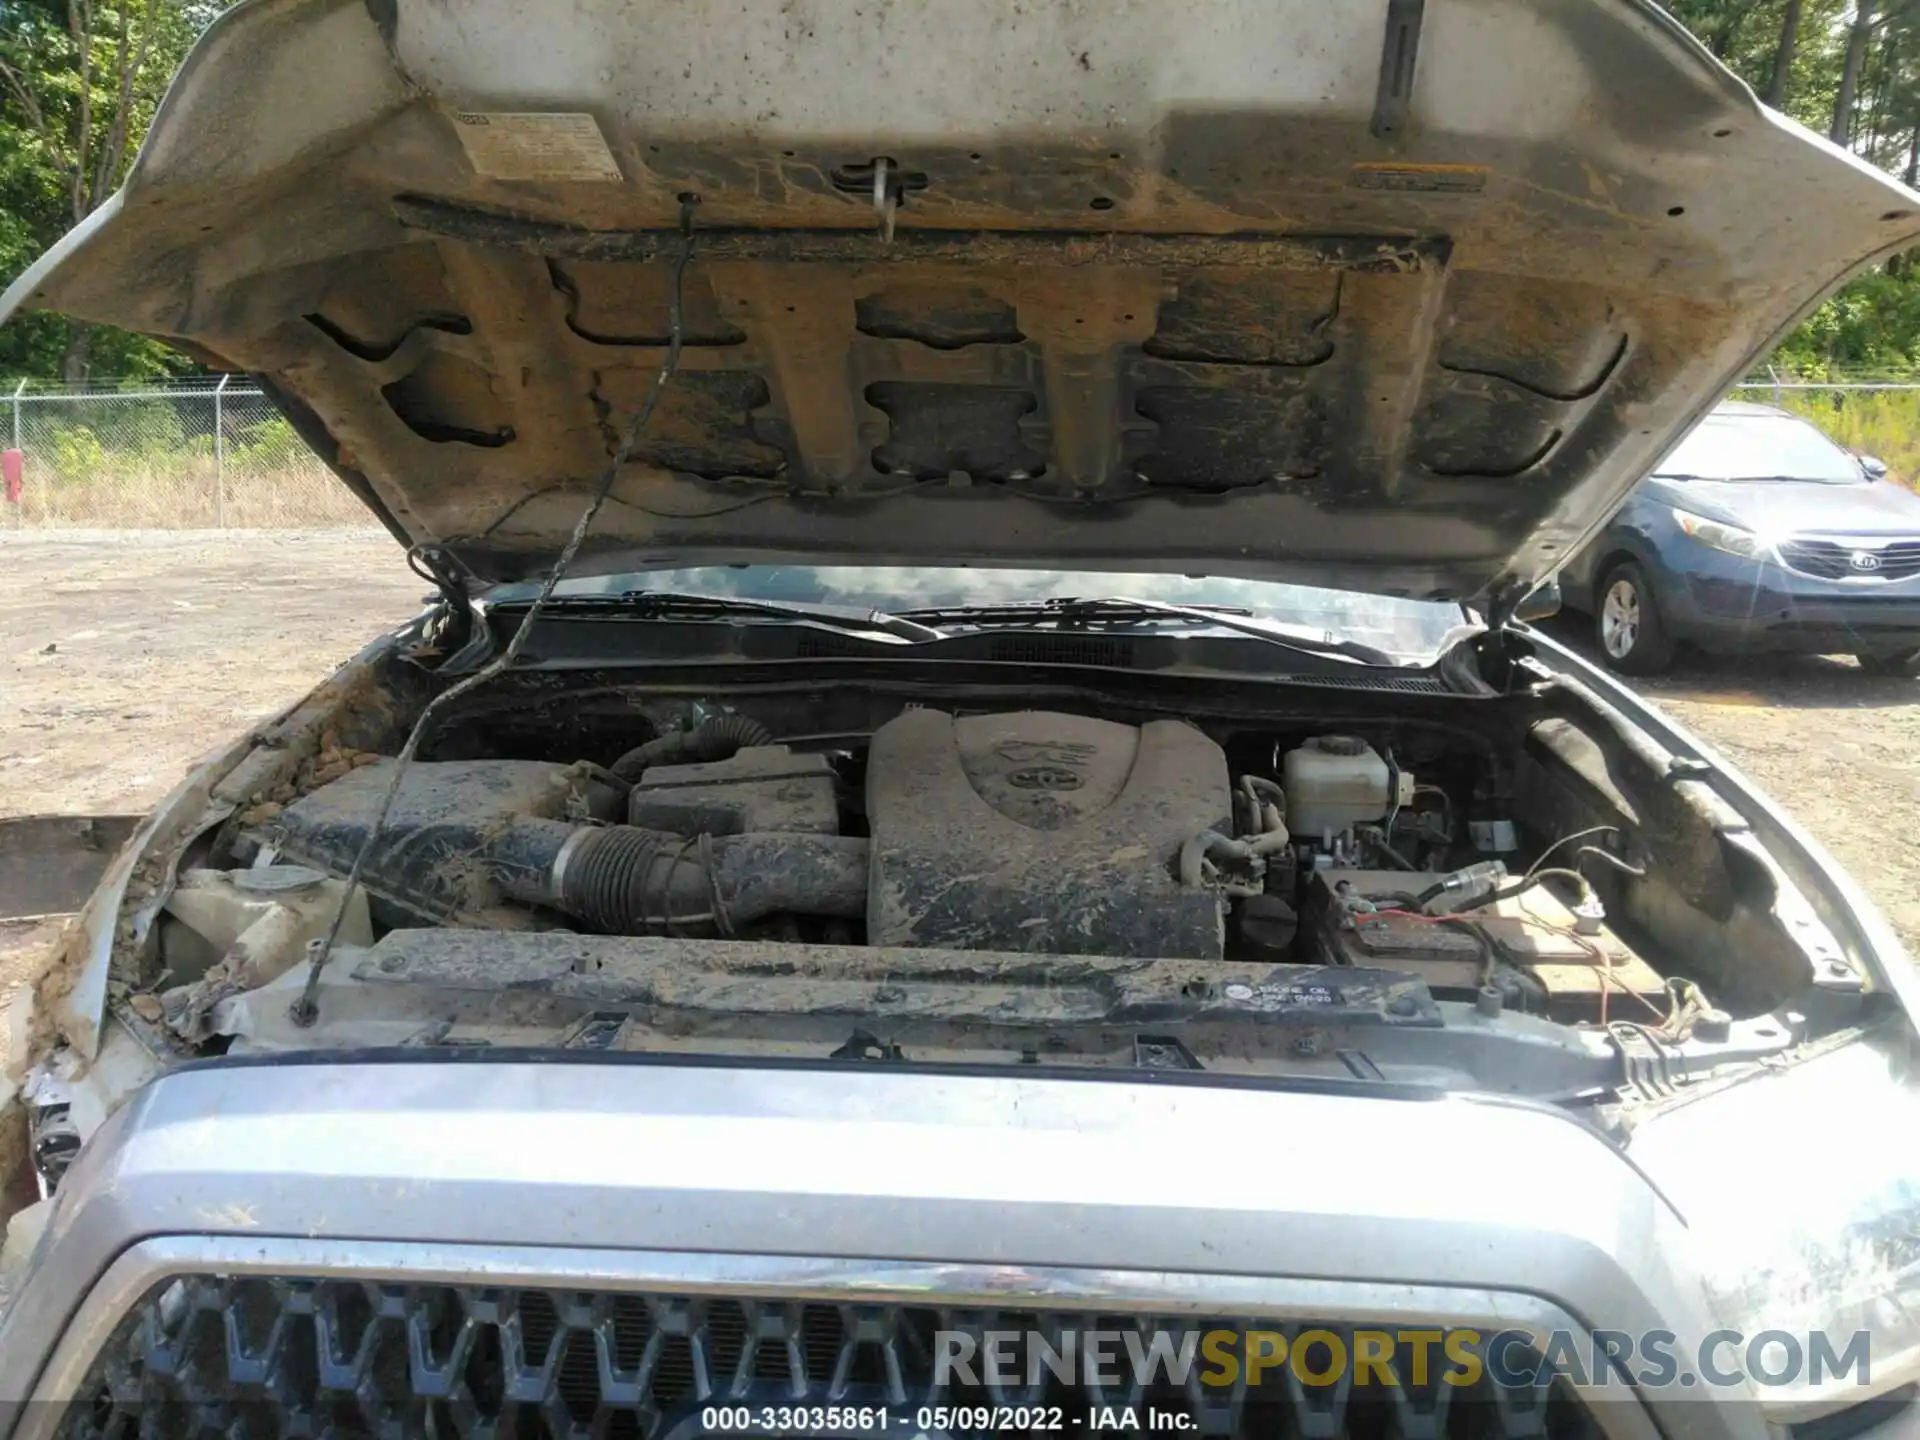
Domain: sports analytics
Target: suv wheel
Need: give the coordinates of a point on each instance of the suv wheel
(1627, 624)
(1907, 662)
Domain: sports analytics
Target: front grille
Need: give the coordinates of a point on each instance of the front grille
(270, 1357)
(1834, 559)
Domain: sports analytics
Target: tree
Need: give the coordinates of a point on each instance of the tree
(79, 82)
(1726, 29)
(1841, 131)
(1783, 50)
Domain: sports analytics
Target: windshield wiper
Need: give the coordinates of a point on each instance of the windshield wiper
(1121, 608)
(678, 605)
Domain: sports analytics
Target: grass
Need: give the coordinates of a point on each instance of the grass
(184, 493)
(140, 464)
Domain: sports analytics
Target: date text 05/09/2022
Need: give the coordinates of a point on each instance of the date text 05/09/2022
(854, 1421)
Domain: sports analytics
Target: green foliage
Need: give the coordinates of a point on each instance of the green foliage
(149, 427)
(117, 435)
(79, 82)
(265, 447)
(1871, 326)
(77, 453)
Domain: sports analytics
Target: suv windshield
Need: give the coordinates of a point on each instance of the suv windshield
(1734, 446)
(1414, 632)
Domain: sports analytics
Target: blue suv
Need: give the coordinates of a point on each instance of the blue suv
(1757, 534)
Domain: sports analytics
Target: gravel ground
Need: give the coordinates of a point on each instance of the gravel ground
(128, 654)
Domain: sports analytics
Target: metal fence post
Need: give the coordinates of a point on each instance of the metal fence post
(220, 455)
(19, 510)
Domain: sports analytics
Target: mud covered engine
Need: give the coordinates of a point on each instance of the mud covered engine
(1038, 831)
(1028, 831)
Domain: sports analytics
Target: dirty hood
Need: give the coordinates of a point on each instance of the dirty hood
(1393, 295)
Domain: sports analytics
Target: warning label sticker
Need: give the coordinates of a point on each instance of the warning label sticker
(504, 145)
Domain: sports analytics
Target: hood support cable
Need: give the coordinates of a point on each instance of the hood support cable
(306, 1010)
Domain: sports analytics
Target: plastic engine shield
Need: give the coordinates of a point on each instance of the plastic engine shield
(1041, 832)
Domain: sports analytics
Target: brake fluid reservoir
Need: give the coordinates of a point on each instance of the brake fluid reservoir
(1333, 781)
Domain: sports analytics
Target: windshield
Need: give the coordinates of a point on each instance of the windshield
(1414, 632)
(1760, 447)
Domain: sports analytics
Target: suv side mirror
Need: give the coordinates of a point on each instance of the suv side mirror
(1541, 603)
(1875, 467)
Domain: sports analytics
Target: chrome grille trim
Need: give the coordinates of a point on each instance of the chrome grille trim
(1830, 557)
(1015, 1288)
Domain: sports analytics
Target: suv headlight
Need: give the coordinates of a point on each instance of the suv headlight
(1802, 1189)
(1720, 536)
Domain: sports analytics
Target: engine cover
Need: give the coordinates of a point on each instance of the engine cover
(1041, 832)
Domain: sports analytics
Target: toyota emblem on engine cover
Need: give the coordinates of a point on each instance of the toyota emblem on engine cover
(1045, 777)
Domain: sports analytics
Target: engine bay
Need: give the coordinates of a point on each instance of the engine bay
(1512, 899)
(1031, 832)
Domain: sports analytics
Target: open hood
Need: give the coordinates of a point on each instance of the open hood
(1393, 295)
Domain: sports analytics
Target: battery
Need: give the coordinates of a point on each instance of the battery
(1532, 931)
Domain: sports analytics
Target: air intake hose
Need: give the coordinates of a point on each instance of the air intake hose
(719, 737)
(625, 880)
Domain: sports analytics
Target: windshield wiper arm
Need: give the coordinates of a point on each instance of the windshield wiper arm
(1122, 607)
(675, 604)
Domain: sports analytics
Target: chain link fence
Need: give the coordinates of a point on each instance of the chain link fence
(210, 453)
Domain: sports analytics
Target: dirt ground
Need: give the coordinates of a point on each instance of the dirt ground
(124, 656)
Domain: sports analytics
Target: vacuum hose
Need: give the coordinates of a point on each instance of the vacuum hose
(625, 880)
(719, 737)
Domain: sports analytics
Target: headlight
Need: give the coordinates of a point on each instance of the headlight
(1802, 1190)
(1730, 538)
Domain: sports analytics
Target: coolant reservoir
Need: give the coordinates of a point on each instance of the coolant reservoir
(1333, 781)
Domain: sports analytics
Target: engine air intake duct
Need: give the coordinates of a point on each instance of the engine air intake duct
(463, 837)
(624, 880)
(715, 738)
